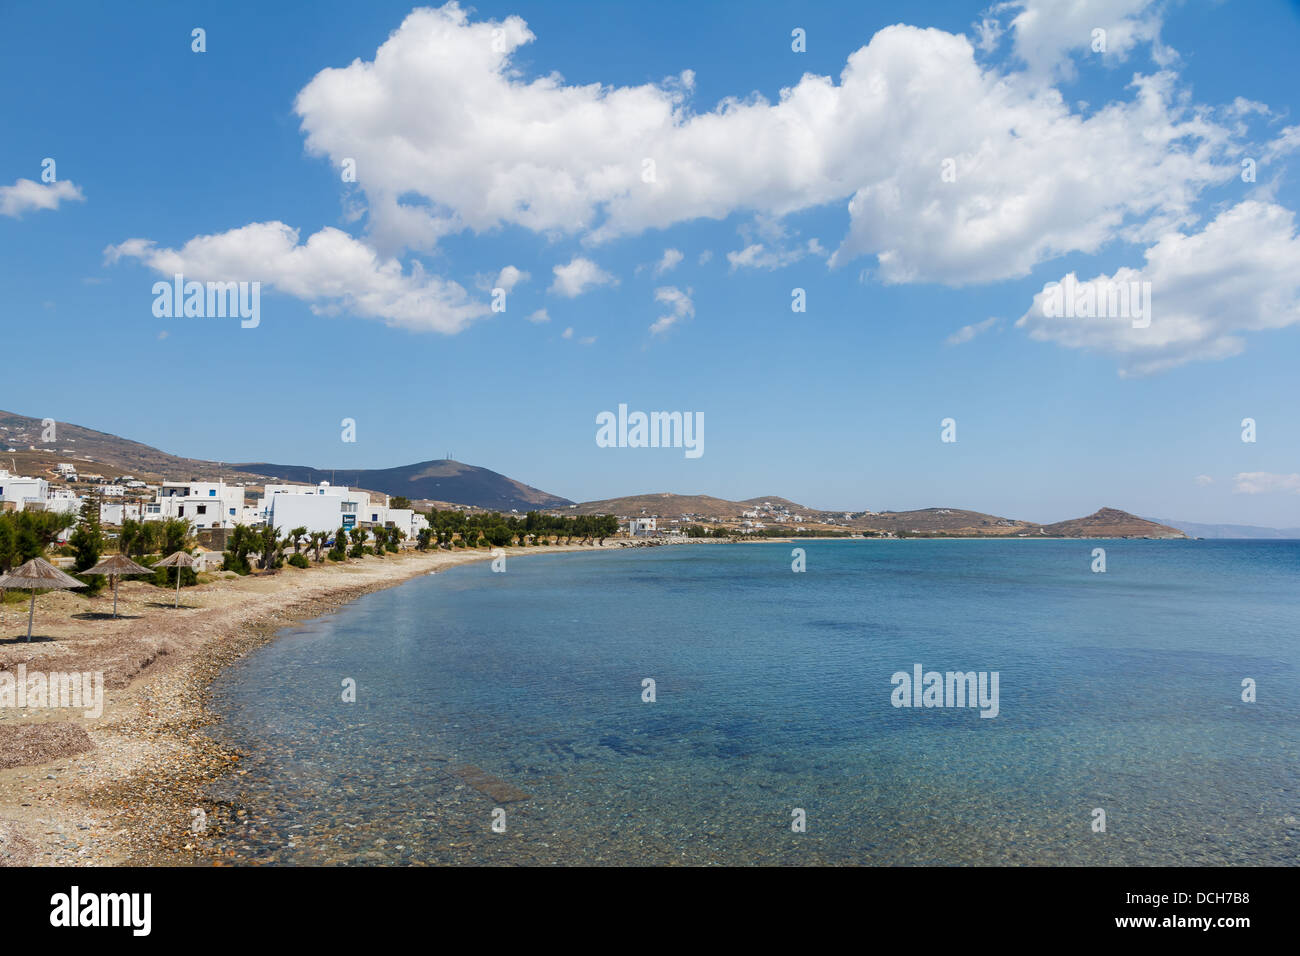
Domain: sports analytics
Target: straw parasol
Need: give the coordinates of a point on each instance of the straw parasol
(36, 574)
(178, 560)
(115, 567)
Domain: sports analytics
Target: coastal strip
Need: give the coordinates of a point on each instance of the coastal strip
(122, 787)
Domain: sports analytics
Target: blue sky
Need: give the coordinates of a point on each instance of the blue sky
(824, 173)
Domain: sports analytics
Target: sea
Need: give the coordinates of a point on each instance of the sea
(744, 704)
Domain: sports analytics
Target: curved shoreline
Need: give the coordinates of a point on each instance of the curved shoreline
(126, 797)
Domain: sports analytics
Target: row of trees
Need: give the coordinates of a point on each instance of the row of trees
(30, 534)
(457, 529)
(269, 548)
(138, 540)
(27, 534)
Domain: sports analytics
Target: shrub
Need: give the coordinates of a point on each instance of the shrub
(299, 560)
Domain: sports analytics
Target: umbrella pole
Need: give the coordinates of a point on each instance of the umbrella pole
(31, 613)
(178, 588)
(115, 595)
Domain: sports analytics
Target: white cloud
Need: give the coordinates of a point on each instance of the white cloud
(968, 332)
(509, 277)
(578, 276)
(450, 135)
(1203, 480)
(331, 271)
(680, 303)
(669, 261)
(705, 256)
(567, 333)
(758, 256)
(541, 315)
(988, 32)
(1046, 33)
(1240, 274)
(1265, 483)
(1286, 142)
(26, 195)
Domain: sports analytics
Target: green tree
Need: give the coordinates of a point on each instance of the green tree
(87, 542)
(272, 549)
(358, 536)
(339, 550)
(242, 541)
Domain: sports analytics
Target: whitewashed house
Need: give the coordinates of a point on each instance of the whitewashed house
(204, 504)
(22, 491)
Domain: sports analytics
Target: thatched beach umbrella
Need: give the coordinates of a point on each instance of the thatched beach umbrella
(37, 574)
(115, 567)
(178, 560)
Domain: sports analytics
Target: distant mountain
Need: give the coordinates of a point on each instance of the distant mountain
(1111, 523)
(112, 456)
(101, 453)
(1198, 530)
(443, 480)
(668, 505)
(779, 512)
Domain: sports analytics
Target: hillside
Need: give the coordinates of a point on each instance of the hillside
(943, 521)
(442, 480)
(113, 456)
(668, 505)
(778, 513)
(1111, 523)
(77, 444)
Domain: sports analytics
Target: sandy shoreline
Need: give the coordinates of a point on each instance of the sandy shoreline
(119, 788)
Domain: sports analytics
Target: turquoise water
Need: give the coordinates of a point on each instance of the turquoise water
(1120, 691)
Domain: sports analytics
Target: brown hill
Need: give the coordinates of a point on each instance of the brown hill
(1111, 523)
(667, 505)
(940, 521)
(111, 456)
(443, 480)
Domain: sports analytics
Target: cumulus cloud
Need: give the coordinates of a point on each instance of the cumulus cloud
(968, 332)
(450, 135)
(1265, 483)
(26, 195)
(541, 315)
(668, 261)
(578, 276)
(1203, 480)
(1047, 33)
(680, 304)
(1240, 274)
(331, 271)
(509, 277)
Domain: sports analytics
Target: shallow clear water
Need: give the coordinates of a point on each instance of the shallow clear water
(1119, 691)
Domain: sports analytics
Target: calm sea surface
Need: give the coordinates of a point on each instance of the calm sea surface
(1120, 691)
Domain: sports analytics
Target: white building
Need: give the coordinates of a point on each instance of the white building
(22, 491)
(204, 504)
(315, 512)
(410, 521)
(639, 526)
(355, 507)
(115, 512)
